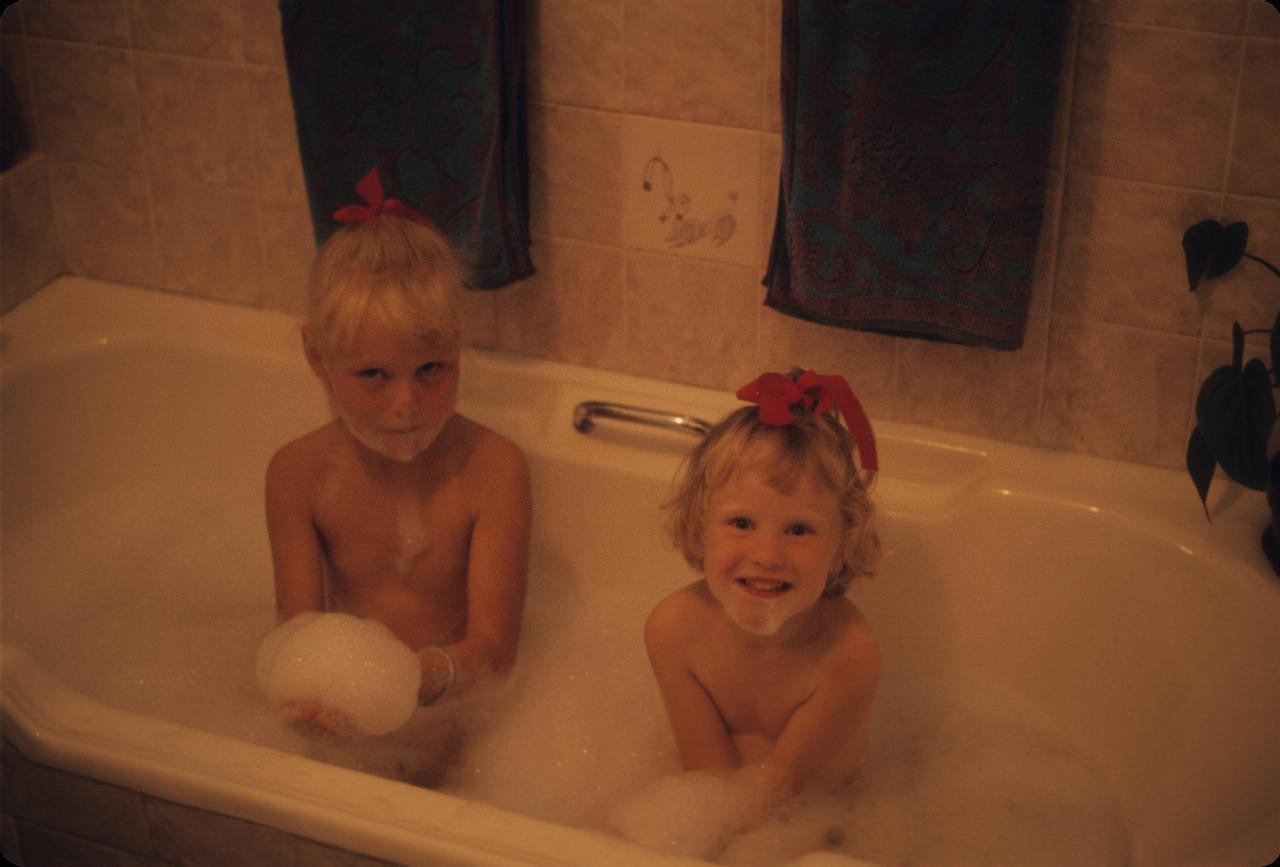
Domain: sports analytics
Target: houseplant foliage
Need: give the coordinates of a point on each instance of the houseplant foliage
(1236, 405)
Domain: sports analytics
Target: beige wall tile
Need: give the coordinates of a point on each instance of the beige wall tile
(865, 359)
(1216, 16)
(701, 61)
(1047, 240)
(209, 241)
(208, 29)
(575, 52)
(16, 68)
(273, 134)
(98, 22)
(974, 390)
(770, 180)
(773, 66)
(691, 321)
(1118, 392)
(1249, 294)
(196, 121)
(30, 255)
(197, 838)
(575, 184)
(1066, 94)
(288, 249)
(263, 43)
(692, 189)
(1263, 20)
(1255, 148)
(479, 308)
(1121, 258)
(1153, 105)
(86, 104)
(569, 310)
(104, 223)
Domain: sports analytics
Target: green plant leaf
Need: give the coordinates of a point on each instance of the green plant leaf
(1200, 466)
(1212, 249)
(1235, 410)
(1230, 249)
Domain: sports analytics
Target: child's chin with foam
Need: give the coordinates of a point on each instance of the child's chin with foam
(762, 606)
(401, 444)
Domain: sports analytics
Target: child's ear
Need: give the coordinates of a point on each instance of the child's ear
(313, 356)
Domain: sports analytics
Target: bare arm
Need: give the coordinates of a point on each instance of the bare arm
(497, 564)
(296, 552)
(699, 730)
(840, 704)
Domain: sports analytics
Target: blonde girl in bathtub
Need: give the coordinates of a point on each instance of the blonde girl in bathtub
(400, 510)
(766, 669)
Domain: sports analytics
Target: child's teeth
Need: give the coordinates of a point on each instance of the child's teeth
(765, 585)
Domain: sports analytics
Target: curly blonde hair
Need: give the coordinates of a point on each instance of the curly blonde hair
(814, 444)
(399, 269)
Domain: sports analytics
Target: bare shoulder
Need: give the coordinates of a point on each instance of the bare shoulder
(298, 461)
(852, 649)
(680, 616)
(489, 452)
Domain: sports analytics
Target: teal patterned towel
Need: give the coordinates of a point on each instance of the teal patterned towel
(433, 95)
(916, 138)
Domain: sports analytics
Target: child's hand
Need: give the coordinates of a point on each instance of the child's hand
(315, 720)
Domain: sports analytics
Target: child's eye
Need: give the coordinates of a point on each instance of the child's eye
(799, 529)
(429, 368)
(371, 373)
(740, 523)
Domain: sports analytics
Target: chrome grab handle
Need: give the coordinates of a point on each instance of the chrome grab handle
(586, 412)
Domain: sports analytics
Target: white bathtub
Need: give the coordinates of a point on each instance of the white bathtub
(1066, 639)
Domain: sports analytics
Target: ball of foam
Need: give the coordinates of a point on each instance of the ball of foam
(692, 814)
(345, 663)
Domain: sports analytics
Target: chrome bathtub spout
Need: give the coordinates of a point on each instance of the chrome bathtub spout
(585, 413)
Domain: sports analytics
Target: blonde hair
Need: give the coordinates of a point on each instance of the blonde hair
(813, 444)
(399, 269)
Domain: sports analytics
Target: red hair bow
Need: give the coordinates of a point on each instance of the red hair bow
(777, 394)
(370, 189)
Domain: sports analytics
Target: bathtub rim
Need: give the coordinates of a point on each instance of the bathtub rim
(54, 725)
(1116, 486)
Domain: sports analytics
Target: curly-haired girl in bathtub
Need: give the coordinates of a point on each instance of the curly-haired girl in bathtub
(400, 510)
(767, 671)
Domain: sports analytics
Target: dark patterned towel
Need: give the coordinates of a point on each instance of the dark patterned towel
(916, 136)
(432, 94)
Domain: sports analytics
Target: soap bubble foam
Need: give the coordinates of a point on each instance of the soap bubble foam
(170, 606)
(353, 666)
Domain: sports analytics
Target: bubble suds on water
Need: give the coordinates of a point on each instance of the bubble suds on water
(959, 773)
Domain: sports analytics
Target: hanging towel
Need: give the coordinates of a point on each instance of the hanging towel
(916, 138)
(432, 94)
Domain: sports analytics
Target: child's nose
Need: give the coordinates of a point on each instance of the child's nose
(405, 400)
(768, 551)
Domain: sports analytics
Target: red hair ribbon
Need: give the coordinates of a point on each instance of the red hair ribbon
(777, 394)
(370, 189)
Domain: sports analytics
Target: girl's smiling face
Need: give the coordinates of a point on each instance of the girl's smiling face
(767, 553)
(393, 391)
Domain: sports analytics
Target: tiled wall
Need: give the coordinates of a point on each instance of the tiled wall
(170, 161)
